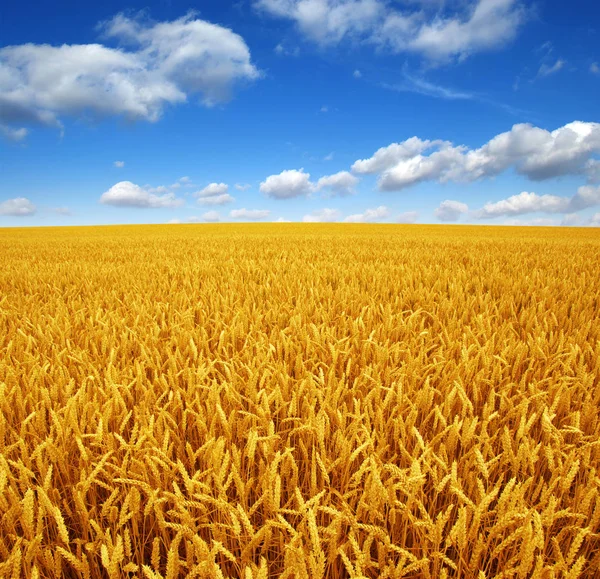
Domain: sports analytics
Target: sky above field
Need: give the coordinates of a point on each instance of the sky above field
(427, 111)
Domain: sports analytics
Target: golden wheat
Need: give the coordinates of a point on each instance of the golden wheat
(299, 401)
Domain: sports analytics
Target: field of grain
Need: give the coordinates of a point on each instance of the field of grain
(305, 401)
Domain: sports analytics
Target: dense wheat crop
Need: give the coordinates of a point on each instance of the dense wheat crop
(300, 401)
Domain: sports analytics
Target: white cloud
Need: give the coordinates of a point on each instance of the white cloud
(421, 86)
(211, 216)
(216, 199)
(329, 157)
(421, 168)
(282, 50)
(389, 156)
(322, 216)
(369, 216)
(523, 203)
(357, 74)
(489, 24)
(283, 220)
(212, 190)
(128, 194)
(249, 214)
(536, 153)
(547, 70)
(594, 68)
(407, 217)
(242, 186)
(327, 21)
(571, 220)
(342, 183)
(214, 194)
(587, 196)
(11, 134)
(287, 184)
(481, 25)
(592, 170)
(119, 164)
(595, 220)
(164, 64)
(538, 222)
(185, 180)
(18, 207)
(450, 210)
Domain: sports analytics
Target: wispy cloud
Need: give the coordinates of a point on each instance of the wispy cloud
(422, 86)
(547, 70)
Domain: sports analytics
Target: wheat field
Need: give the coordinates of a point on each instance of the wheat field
(301, 401)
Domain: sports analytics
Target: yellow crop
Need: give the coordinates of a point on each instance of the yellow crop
(299, 401)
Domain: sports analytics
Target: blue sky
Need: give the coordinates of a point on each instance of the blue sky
(457, 111)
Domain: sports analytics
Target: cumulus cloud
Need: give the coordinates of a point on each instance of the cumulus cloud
(489, 24)
(369, 216)
(592, 170)
(214, 194)
(342, 183)
(287, 184)
(594, 68)
(387, 157)
(411, 27)
(17, 207)
(407, 217)
(523, 203)
(327, 21)
(211, 216)
(216, 199)
(595, 220)
(587, 196)
(250, 214)
(451, 210)
(357, 74)
(329, 157)
(533, 152)
(119, 164)
(212, 190)
(242, 186)
(156, 65)
(128, 194)
(322, 216)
